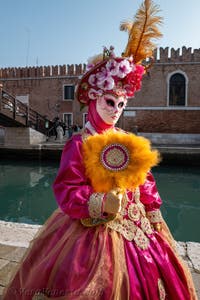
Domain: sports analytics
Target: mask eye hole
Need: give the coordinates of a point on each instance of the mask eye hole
(110, 102)
(121, 104)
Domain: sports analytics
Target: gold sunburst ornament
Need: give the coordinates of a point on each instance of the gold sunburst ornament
(117, 159)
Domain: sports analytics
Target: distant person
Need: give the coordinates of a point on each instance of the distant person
(59, 132)
(70, 131)
(56, 122)
(76, 128)
(64, 127)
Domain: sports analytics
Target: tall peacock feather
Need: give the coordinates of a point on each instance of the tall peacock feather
(142, 30)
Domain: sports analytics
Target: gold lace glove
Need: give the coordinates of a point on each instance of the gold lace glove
(112, 204)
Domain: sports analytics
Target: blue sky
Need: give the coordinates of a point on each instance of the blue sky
(51, 32)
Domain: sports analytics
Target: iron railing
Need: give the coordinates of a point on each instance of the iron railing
(22, 113)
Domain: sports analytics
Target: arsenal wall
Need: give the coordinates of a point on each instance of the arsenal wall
(148, 111)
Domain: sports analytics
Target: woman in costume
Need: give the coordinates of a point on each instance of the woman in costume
(107, 240)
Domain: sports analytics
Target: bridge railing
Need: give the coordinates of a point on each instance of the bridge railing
(22, 113)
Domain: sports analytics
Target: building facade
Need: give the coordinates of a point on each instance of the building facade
(169, 101)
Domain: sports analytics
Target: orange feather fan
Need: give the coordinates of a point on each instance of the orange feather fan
(139, 159)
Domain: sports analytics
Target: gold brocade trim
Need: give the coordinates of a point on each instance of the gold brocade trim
(123, 211)
(155, 216)
(92, 222)
(133, 212)
(95, 205)
(141, 239)
(161, 290)
(127, 227)
(130, 231)
(146, 226)
(137, 195)
(139, 204)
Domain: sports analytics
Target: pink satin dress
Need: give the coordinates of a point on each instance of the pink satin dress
(126, 260)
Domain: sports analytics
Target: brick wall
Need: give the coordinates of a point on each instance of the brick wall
(44, 85)
(166, 121)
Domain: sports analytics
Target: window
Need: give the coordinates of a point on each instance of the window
(177, 90)
(68, 119)
(84, 119)
(68, 92)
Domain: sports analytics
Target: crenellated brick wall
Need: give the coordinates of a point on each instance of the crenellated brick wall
(163, 55)
(42, 71)
(44, 87)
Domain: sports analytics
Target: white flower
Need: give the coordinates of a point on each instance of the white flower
(113, 67)
(101, 76)
(107, 84)
(124, 68)
(94, 93)
(92, 80)
(89, 67)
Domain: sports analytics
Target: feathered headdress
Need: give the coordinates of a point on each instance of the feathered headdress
(142, 31)
(123, 75)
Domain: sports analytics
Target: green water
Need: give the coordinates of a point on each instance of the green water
(26, 195)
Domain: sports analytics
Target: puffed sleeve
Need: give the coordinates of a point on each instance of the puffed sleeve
(72, 190)
(150, 197)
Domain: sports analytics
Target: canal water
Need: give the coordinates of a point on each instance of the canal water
(26, 195)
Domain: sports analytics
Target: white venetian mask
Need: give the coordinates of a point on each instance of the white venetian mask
(110, 107)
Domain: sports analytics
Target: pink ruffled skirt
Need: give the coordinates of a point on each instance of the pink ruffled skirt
(68, 261)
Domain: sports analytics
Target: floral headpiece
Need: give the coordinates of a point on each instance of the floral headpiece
(116, 75)
(122, 76)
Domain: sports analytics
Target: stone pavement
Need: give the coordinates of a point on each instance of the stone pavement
(15, 238)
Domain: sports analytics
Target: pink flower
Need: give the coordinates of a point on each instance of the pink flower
(113, 67)
(101, 76)
(92, 94)
(139, 70)
(124, 68)
(89, 67)
(107, 84)
(132, 82)
(92, 80)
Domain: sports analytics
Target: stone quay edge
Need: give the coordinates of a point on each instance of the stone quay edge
(15, 239)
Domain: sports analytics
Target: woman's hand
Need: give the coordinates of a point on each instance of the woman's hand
(113, 201)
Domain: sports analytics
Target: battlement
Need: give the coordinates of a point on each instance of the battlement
(170, 55)
(161, 55)
(42, 71)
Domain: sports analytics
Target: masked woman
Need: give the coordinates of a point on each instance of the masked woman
(103, 245)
